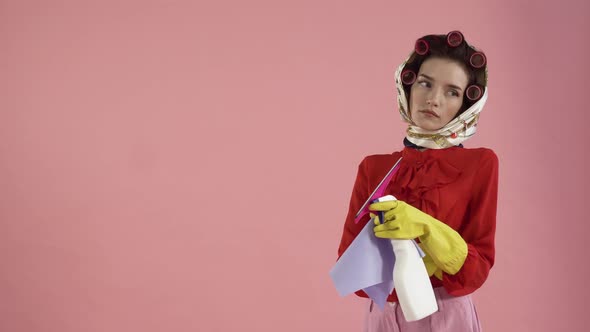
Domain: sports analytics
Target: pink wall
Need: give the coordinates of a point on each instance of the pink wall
(182, 166)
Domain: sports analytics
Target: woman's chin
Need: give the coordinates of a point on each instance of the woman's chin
(429, 127)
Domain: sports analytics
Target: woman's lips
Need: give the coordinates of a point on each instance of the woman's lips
(431, 113)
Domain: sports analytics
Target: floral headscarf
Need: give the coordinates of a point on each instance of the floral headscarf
(462, 126)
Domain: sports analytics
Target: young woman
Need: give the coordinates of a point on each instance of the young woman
(446, 193)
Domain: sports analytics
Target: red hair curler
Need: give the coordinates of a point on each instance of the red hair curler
(421, 47)
(454, 38)
(473, 92)
(408, 77)
(477, 60)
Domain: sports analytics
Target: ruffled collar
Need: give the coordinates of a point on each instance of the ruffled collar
(420, 176)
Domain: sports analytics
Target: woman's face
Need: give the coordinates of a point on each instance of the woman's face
(437, 94)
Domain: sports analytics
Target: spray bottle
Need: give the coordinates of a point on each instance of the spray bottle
(410, 278)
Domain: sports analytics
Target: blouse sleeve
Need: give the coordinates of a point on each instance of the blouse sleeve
(478, 230)
(358, 197)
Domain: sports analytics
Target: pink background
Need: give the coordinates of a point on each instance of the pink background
(186, 166)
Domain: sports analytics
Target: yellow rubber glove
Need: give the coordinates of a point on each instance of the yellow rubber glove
(431, 267)
(443, 244)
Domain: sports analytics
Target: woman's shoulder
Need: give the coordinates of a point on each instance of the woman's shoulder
(457, 156)
(476, 160)
(381, 158)
(479, 154)
(379, 164)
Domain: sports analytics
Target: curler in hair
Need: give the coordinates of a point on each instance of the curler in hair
(473, 92)
(408, 77)
(477, 60)
(454, 38)
(421, 47)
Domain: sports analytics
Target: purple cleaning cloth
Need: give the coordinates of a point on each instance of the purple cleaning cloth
(379, 293)
(366, 264)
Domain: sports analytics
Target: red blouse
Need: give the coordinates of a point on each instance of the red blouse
(457, 186)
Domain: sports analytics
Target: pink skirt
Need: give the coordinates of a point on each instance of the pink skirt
(456, 314)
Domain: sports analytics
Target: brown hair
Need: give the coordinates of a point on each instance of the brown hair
(438, 47)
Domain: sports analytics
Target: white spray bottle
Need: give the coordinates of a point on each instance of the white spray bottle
(410, 278)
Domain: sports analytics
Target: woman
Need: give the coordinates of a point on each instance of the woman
(446, 194)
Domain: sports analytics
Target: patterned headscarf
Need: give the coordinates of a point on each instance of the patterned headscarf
(462, 126)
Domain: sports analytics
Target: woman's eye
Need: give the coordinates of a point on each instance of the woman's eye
(424, 83)
(454, 93)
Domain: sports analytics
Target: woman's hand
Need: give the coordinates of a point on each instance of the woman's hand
(402, 220)
(443, 244)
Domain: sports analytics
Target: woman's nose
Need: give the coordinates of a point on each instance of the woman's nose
(433, 99)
